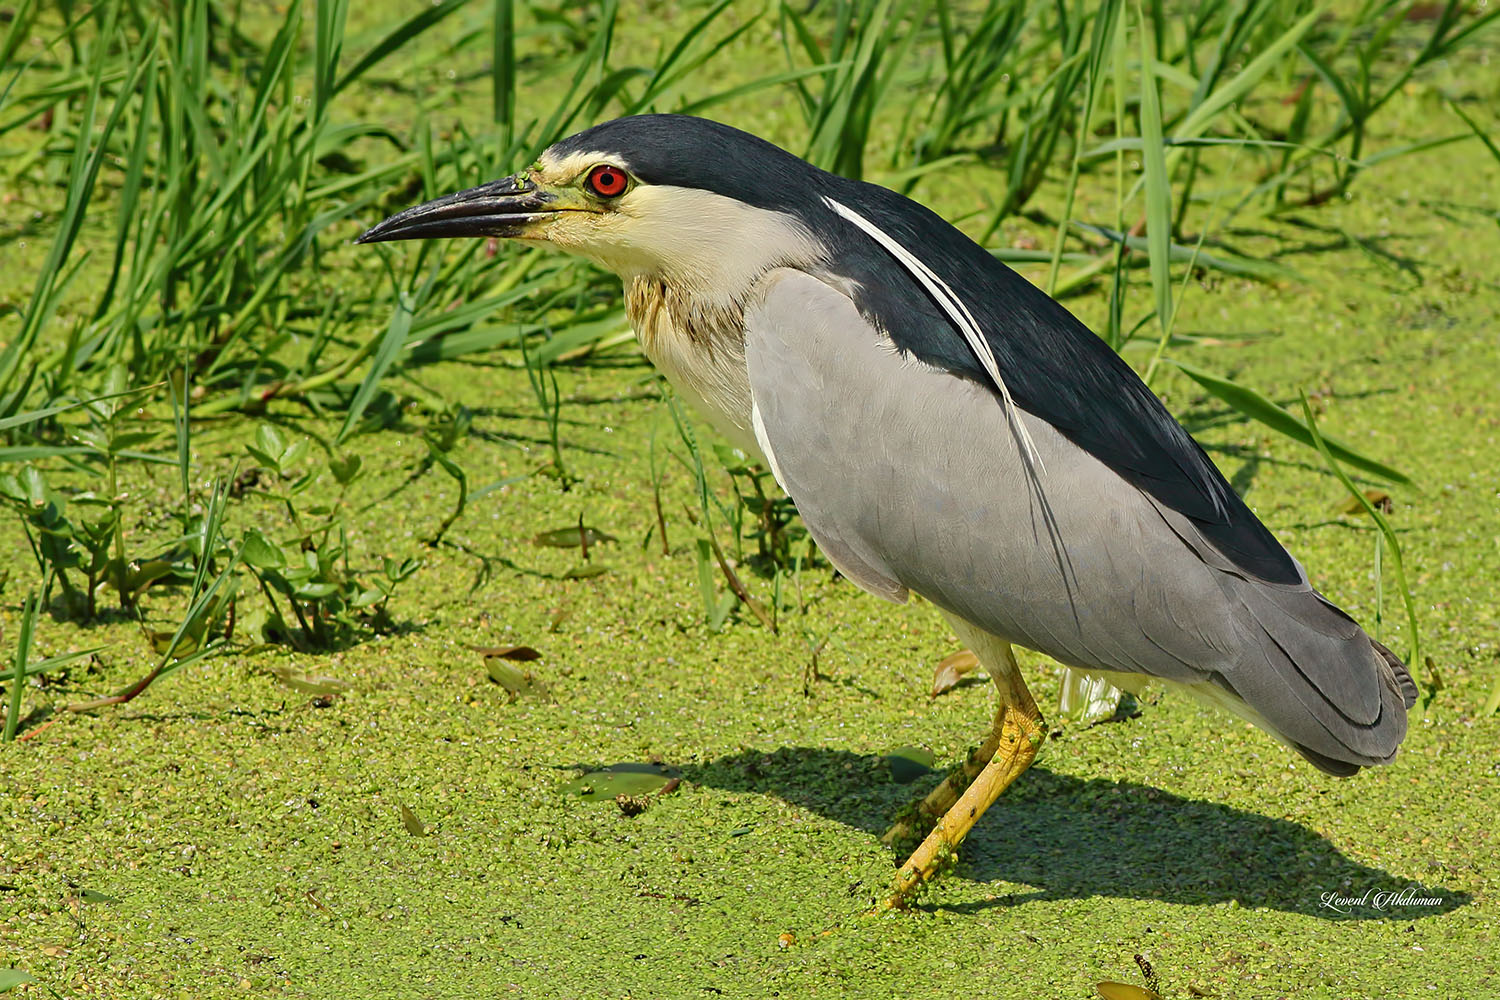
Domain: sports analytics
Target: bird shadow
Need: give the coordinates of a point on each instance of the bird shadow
(1075, 838)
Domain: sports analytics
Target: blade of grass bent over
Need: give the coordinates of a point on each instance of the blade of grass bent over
(1389, 533)
(1258, 407)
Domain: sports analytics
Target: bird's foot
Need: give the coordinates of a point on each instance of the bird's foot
(1018, 734)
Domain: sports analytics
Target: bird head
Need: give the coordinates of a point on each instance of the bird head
(695, 203)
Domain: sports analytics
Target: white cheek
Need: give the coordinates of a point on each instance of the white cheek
(703, 241)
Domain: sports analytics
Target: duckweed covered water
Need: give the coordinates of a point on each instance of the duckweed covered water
(245, 829)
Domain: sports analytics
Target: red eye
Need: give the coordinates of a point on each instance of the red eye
(607, 181)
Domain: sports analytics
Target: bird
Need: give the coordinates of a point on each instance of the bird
(947, 429)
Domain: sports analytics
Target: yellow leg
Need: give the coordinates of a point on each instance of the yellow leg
(923, 816)
(1007, 752)
(917, 820)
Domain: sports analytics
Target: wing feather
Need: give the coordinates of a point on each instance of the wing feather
(909, 478)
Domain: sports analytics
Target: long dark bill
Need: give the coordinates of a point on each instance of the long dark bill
(499, 208)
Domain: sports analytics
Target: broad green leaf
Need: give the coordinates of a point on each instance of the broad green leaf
(260, 552)
(268, 439)
(345, 468)
(292, 455)
(316, 591)
(11, 978)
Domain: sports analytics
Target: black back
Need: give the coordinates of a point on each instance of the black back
(1055, 367)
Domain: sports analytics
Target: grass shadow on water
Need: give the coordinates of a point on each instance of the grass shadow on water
(1073, 838)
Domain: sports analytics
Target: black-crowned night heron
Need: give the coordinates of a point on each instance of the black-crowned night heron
(946, 428)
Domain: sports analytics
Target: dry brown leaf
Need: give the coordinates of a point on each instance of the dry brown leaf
(1379, 499)
(951, 669)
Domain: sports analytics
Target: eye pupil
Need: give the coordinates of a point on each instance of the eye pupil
(607, 181)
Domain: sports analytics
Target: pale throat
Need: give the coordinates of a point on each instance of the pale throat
(691, 262)
(698, 343)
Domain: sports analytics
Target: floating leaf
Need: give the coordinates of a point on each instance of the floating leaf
(586, 572)
(951, 669)
(515, 680)
(414, 826)
(628, 779)
(91, 896)
(572, 537)
(910, 763)
(162, 643)
(521, 653)
(1378, 498)
(147, 573)
(1124, 991)
(309, 683)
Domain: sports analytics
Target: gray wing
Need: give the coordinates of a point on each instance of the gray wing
(910, 478)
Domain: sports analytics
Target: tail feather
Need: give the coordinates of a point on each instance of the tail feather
(1339, 699)
(1337, 768)
(1399, 674)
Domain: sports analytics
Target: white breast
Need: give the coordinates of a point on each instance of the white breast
(706, 365)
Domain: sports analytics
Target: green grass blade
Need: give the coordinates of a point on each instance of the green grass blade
(1479, 133)
(177, 389)
(1229, 263)
(328, 46)
(385, 354)
(1242, 82)
(503, 67)
(1389, 533)
(53, 662)
(20, 664)
(1252, 404)
(1158, 189)
(398, 38)
(734, 93)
